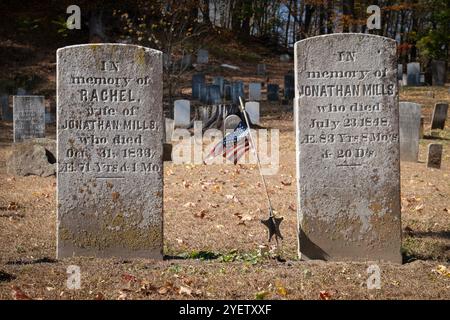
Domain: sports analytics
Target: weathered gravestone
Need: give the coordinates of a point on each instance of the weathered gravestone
(439, 116)
(237, 90)
(272, 92)
(219, 81)
(7, 114)
(29, 117)
(213, 92)
(413, 73)
(289, 87)
(202, 56)
(182, 113)
(409, 121)
(110, 148)
(252, 109)
(261, 69)
(231, 122)
(434, 157)
(348, 171)
(254, 91)
(186, 61)
(438, 72)
(198, 81)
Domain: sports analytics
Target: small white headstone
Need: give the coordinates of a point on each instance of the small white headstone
(254, 91)
(252, 109)
(182, 113)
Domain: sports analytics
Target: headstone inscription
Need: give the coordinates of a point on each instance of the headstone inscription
(254, 91)
(439, 116)
(110, 148)
(182, 113)
(347, 129)
(413, 73)
(29, 117)
(438, 72)
(409, 121)
(434, 157)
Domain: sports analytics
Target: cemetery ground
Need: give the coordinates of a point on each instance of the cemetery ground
(214, 244)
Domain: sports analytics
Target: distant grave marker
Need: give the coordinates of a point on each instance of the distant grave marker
(29, 117)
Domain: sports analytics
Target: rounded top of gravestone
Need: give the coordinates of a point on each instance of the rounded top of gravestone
(93, 46)
(344, 36)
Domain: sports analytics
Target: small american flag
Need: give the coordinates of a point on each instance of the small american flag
(234, 145)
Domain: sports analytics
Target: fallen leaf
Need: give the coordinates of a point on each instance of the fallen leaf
(292, 207)
(99, 296)
(201, 214)
(324, 295)
(12, 206)
(18, 294)
(286, 183)
(261, 295)
(185, 290)
(126, 277)
(122, 295)
(189, 204)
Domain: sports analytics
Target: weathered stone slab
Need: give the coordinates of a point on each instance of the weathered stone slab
(434, 157)
(110, 148)
(254, 91)
(182, 113)
(29, 117)
(347, 136)
(438, 72)
(261, 69)
(202, 56)
(213, 92)
(439, 116)
(413, 73)
(32, 157)
(273, 92)
(198, 80)
(252, 109)
(409, 115)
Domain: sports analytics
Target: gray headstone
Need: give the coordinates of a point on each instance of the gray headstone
(202, 56)
(204, 93)
(399, 71)
(110, 148)
(7, 114)
(213, 94)
(413, 73)
(186, 61)
(182, 113)
(254, 91)
(272, 92)
(409, 120)
(261, 69)
(252, 109)
(220, 81)
(439, 116)
(29, 117)
(348, 153)
(198, 80)
(434, 156)
(289, 87)
(438, 72)
(237, 90)
(231, 122)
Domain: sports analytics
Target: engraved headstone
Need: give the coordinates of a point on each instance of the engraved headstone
(231, 122)
(272, 92)
(413, 73)
(409, 121)
(29, 117)
(348, 171)
(182, 113)
(252, 109)
(289, 87)
(439, 116)
(438, 72)
(110, 148)
(254, 91)
(198, 80)
(434, 156)
(202, 56)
